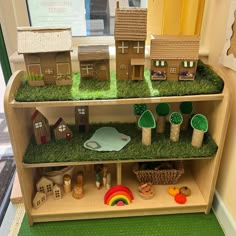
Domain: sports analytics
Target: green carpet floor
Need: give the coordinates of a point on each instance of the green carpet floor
(197, 224)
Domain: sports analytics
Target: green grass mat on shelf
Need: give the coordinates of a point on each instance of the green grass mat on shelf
(162, 147)
(206, 82)
(164, 225)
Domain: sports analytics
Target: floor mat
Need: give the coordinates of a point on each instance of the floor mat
(165, 225)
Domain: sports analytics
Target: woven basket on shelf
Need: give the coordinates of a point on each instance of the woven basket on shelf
(160, 176)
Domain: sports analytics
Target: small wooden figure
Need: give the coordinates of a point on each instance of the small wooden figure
(108, 182)
(57, 192)
(39, 199)
(67, 183)
(98, 170)
(104, 175)
(77, 192)
(47, 54)
(41, 128)
(80, 178)
(94, 62)
(61, 130)
(45, 185)
(174, 57)
(82, 118)
(130, 35)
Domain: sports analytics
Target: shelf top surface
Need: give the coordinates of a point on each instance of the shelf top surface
(207, 86)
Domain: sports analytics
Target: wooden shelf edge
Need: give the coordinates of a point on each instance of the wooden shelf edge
(79, 163)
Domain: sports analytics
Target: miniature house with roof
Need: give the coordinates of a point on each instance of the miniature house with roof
(174, 57)
(46, 53)
(94, 61)
(82, 118)
(61, 130)
(130, 35)
(39, 199)
(41, 128)
(45, 185)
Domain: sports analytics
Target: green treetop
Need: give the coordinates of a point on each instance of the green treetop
(147, 120)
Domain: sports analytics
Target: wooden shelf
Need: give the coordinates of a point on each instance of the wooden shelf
(92, 205)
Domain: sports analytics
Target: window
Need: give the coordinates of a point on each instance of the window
(123, 67)
(173, 70)
(38, 203)
(87, 70)
(159, 63)
(49, 188)
(123, 47)
(61, 128)
(188, 64)
(138, 47)
(63, 69)
(41, 189)
(48, 72)
(43, 199)
(34, 69)
(87, 17)
(57, 194)
(38, 125)
(81, 111)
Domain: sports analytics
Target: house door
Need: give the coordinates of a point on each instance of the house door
(123, 72)
(102, 72)
(137, 72)
(43, 139)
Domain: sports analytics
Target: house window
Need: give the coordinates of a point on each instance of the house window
(38, 203)
(61, 128)
(38, 125)
(43, 199)
(81, 111)
(103, 68)
(87, 69)
(57, 194)
(138, 48)
(173, 70)
(123, 47)
(188, 64)
(63, 70)
(159, 63)
(49, 188)
(48, 72)
(123, 67)
(34, 69)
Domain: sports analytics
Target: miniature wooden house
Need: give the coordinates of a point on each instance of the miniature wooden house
(130, 35)
(45, 185)
(82, 118)
(94, 62)
(174, 57)
(41, 128)
(57, 192)
(61, 130)
(39, 199)
(46, 53)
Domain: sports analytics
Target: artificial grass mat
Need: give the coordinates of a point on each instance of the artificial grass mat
(161, 147)
(194, 224)
(206, 82)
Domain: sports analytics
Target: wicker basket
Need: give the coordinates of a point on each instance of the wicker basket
(160, 176)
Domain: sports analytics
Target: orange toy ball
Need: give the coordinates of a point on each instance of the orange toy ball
(180, 198)
(173, 190)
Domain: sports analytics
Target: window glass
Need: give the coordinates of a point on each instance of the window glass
(86, 17)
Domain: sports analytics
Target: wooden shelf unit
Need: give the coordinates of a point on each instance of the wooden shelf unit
(200, 174)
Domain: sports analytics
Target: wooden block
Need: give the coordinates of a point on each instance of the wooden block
(16, 195)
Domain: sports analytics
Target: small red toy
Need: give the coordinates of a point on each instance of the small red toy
(180, 198)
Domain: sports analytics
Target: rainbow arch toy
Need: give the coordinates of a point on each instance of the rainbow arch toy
(118, 194)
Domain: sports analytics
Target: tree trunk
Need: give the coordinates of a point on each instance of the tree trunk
(197, 138)
(174, 132)
(185, 123)
(161, 124)
(146, 136)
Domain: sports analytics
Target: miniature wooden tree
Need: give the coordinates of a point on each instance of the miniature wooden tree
(162, 110)
(139, 109)
(199, 124)
(147, 123)
(186, 109)
(176, 120)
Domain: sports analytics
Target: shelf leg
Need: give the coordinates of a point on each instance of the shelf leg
(118, 173)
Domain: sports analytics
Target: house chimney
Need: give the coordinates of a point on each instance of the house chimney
(117, 4)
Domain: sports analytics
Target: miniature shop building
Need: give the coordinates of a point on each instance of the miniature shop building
(45, 185)
(174, 57)
(94, 62)
(46, 52)
(39, 199)
(57, 192)
(61, 130)
(41, 128)
(82, 118)
(130, 35)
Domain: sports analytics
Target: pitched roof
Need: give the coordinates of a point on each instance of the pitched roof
(131, 23)
(93, 52)
(35, 115)
(58, 122)
(174, 47)
(43, 39)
